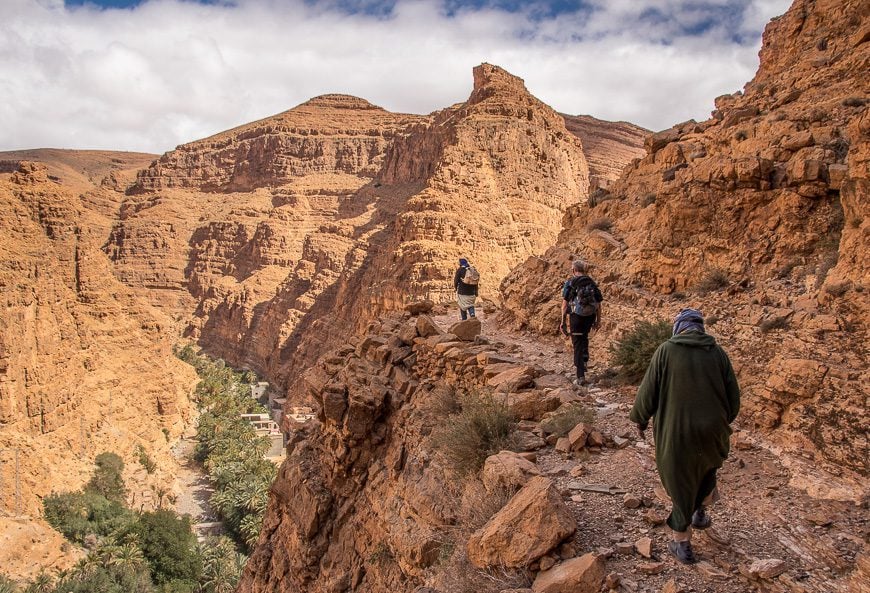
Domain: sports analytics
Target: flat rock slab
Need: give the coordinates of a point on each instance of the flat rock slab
(578, 575)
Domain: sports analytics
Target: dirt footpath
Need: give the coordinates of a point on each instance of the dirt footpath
(760, 516)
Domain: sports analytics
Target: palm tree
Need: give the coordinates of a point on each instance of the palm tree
(43, 583)
(7, 585)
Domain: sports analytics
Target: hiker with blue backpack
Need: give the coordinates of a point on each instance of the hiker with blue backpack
(581, 313)
(465, 281)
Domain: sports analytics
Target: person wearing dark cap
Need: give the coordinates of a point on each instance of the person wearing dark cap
(691, 391)
(465, 281)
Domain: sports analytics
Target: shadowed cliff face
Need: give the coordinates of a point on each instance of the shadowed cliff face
(770, 197)
(294, 231)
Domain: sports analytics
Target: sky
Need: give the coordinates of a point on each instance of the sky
(147, 75)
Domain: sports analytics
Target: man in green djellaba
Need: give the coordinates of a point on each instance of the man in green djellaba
(691, 391)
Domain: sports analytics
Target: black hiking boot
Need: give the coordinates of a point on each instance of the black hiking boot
(700, 518)
(683, 552)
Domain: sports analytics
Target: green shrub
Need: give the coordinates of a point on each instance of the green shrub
(481, 428)
(169, 547)
(635, 348)
(107, 479)
(567, 417)
(144, 460)
(79, 514)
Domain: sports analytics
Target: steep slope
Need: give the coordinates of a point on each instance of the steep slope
(768, 199)
(274, 227)
(608, 146)
(84, 366)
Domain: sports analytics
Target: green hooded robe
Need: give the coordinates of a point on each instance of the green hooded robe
(691, 390)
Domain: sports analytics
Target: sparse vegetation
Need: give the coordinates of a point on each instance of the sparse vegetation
(741, 135)
(715, 279)
(566, 418)
(648, 200)
(381, 553)
(600, 224)
(144, 460)
(854, 102)
(635, 348)
(481, 427)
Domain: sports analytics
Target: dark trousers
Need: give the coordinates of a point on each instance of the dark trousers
(580, 327)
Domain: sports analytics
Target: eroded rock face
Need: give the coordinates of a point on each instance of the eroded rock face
(756, 217)
(273, 227)
(85, 367)
(363, 502)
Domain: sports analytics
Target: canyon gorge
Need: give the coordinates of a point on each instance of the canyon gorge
(301, 246)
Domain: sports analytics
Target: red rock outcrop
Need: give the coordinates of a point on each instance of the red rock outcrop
(767, 199)
(273, 227)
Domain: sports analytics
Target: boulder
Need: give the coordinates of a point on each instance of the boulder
(528, 441)
(466, 330)
(578, 435)
(532, 405)
(578, 575)
(513, 379)
(767, 569)
(426, 327)
(418, 307)
(530, 525)
(509, 470)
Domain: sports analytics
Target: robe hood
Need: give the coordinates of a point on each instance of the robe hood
(694, 340)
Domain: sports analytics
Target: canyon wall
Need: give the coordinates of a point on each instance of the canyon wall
(270, 230)
(759, 217)
(85, 367)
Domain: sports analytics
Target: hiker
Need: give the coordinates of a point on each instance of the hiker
(691, 391)
(581, 313)
(465, 281)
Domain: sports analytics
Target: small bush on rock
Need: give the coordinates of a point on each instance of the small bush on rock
(481, 428)
(715, 279)
(600, 224)
(635, 348)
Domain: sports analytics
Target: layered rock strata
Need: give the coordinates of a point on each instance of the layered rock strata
(608, 146)
(273, 227)
(759, 214)
(84, 366)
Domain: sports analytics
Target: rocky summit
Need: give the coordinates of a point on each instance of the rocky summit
(317, 247)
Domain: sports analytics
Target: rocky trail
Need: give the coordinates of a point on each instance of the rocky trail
(193, 488)
(766, 534)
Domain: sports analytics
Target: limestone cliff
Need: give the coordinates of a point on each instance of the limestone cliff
(608, 146)
(759, 215)
(84, 366)
(269, 230)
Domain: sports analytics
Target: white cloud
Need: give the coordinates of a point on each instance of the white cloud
(170, 72)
